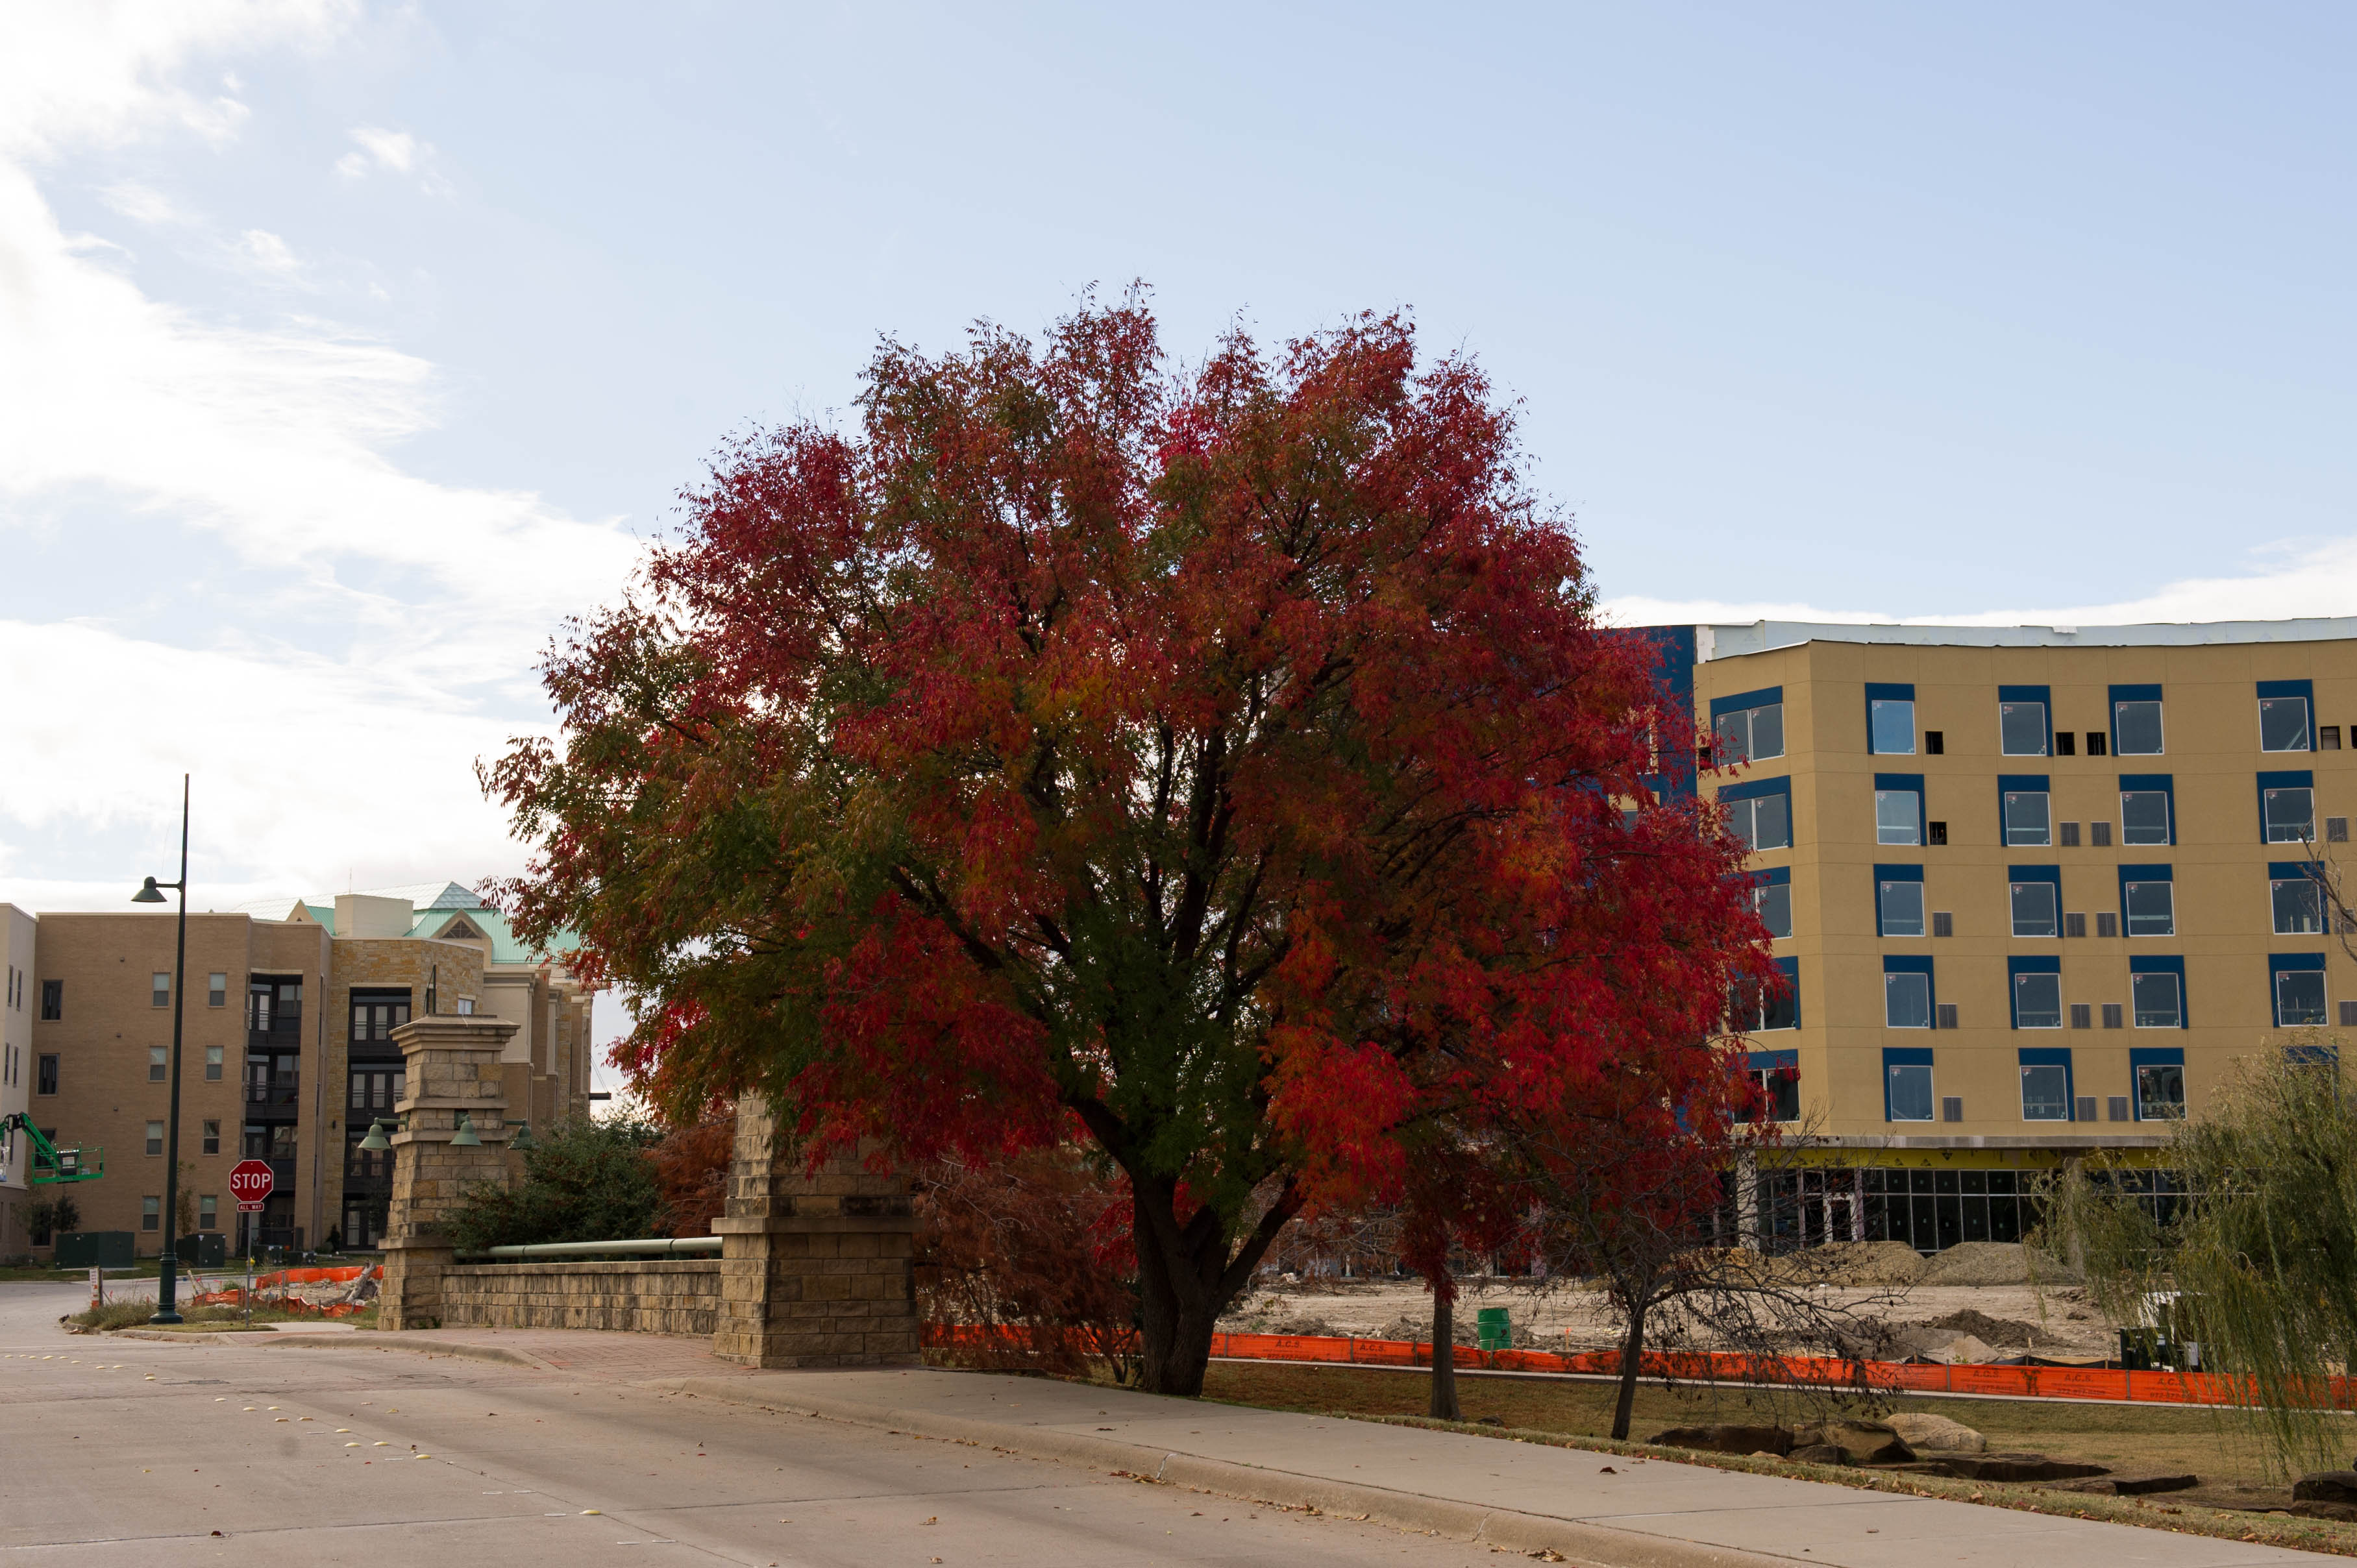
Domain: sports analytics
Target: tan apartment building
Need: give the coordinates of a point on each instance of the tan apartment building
(17, 928)
(2034, 890)
(287, 1054)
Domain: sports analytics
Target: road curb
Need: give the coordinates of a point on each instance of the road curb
(1510, 1530)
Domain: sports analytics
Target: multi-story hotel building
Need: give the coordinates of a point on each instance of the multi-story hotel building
(2036, 889)
(286, 1055)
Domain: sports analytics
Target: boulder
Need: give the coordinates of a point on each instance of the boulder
(2135, 1486)
(1726, 1439)
(2326, 1486)
(1819, 1453)
(2345, 1513)
(2017, 1467)
(1861, 1442)
(1937, 1434)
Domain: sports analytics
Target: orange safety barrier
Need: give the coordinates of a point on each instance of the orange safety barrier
(1719, 1366)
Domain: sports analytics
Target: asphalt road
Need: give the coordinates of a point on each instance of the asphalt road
(130, 1452)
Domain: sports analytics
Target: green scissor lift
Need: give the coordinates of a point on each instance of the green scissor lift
(50, 1163)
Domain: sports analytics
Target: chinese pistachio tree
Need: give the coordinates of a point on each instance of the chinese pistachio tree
(1223, 764)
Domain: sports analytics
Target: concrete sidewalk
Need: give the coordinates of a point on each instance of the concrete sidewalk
(1586, 1505)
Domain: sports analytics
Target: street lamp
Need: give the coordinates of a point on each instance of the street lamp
(152, 893)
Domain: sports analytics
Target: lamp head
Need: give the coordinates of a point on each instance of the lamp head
(523, 1141)
(464, 1137)
(375, 1142)
(150, 894)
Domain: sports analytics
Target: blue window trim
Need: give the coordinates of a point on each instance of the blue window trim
(1673, 656)
(2168, 963)
(2042, 696)
(1884, 692)
(2112, 712)
(1902, 1056)
(2293, 689)
(2278, 962)
(2052, 964)
(2166, 783)
(1767, 696)
(1899, 781)
(1883, 873)
(1780, 785)
(1893, 964)
(2054, 1056)
(2291, 870)
(1767, 1061)
(2149, 1056)
(2291, 778)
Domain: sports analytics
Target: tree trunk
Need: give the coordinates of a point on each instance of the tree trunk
(1444, 1353)
(1187, 1276)
(1632, 1355)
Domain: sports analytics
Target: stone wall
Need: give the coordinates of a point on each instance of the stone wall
(648, 1296)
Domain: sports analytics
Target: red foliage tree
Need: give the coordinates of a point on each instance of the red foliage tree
(692, 1171)
(1224, 762)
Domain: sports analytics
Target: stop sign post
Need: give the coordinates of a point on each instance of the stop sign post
(250, 1182)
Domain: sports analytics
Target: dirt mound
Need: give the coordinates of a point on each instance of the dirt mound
(1864, 1263)
(1992, 1263)
(1971, 1320)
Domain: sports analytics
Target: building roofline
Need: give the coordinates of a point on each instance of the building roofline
(1732, 640)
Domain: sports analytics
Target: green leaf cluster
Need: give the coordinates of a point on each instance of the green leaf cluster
(587, 1181)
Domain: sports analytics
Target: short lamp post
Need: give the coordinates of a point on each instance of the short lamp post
(152, 893)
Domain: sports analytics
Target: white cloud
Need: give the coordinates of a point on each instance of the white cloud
(278, 442)
(2288, 580)
(395, 152)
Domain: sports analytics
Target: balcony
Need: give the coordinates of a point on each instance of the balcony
(280, 1094)
(281, 1025)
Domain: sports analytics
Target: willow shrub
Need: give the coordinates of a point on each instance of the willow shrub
(2264, 1256)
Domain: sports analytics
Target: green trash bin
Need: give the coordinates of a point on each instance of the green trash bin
(1493, 1328)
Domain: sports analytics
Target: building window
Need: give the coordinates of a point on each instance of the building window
(46, 1078)
(1898, 817)
(467, 1004)
(1771, 900)
(53, 1000)
(217, 991)
(2113, 1015)
(2283, 717)
(160, 990)
(2289, 812)
(375, 1016)
(2034, 908)
(2028, 817)
(2150, 904)
(2066, 743)
(2159, 1085)
(155, 1137)
(159, 1063)
(1907, 1084)
(2038, 1000)
(2144, 817)
(208, 1213)
(1906, 997)
(1890, 720)
(2021, 721)
(212, 1064)
(2300, 990)
(1899, 901)
(2083, 1016)
(1760, 814)
(2135, 722)
(1749, 728)
(2045, 1085)
(2159, 999)
(2298, 899)
(151, 1213)
(1776, 1077)
(213, 1137)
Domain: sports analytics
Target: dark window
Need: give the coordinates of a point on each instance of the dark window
(2327, 738)
(377, 1013)
(160, 990)
(2283, 724)
(1943, 923)
(151, 1210)
(2336, 829)
(1780, 1092)
(2070, 835)
(2096, 743)
(2139, 726)
(217, 991)
(2021, 728)
(2113, 1017)
(2083, 1016)
(1951, 1108)
(2100, 834)
(1935, 832)
(1774, 903)
(213, 1137)
(2107, 924)
(1948, 1016)
(1935, 742)
(2074, 925)
(2160, 1092)
(53, 1000)
(2066, 742)
(47, 1083)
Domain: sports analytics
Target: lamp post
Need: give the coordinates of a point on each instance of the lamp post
(152, 894)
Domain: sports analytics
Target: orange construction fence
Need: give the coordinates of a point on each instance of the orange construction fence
(1719, 1366)
(272, 1288)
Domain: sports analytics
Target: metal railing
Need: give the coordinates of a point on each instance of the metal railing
(651, 1246)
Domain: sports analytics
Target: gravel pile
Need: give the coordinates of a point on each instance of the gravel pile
(1864, 1263)
(1992, 1263)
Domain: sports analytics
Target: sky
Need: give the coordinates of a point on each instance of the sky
(347, 349)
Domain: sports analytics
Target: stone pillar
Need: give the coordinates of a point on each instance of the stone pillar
(815, 1270)
(453, 1066)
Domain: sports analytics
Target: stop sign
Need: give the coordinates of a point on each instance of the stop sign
(251, 1181)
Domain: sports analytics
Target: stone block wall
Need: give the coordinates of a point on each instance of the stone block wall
(650, 1295)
